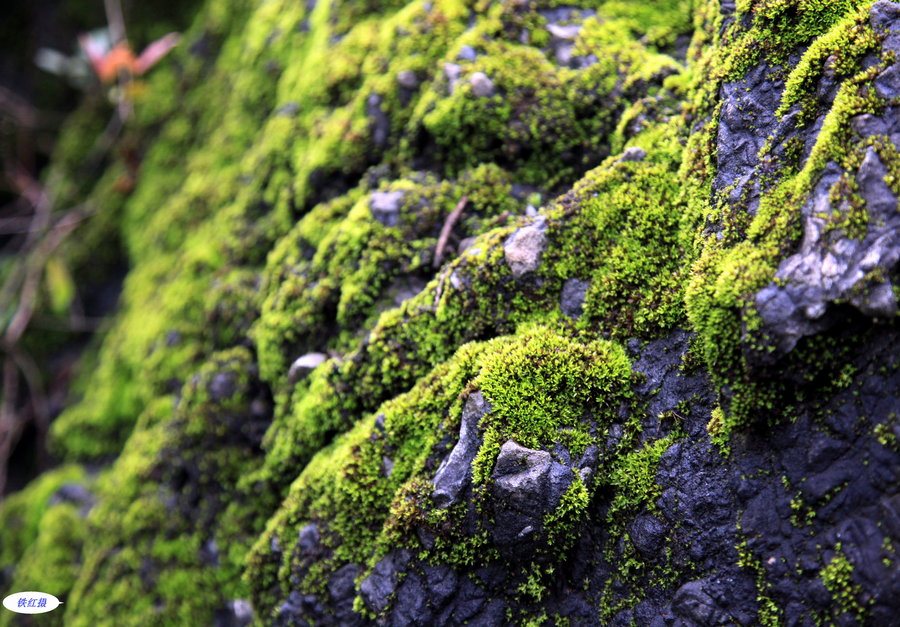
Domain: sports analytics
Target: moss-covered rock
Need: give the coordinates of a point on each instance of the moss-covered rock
(491, 312)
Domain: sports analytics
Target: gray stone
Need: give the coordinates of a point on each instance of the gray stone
(408, 79)
(517, 466)
(452, 71)
(385, 207)
(880, 200)
(572, 298)
(242, 611)
(288, 109)
(308, 538)
(455, 473)
(564, 52)
(524, 248)
(341, 584)
(693, 603)
(482, 86)
(209, 553)
(74, 493)
(303, 365)
(467, 53)
(568, 32)
(465, 244)
(237, 613)
(526, 485)
(222, 386)
(647, 533)
(377, 589)
(633, 153)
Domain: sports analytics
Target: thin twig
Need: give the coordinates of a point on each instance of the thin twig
(73, 324)
(9, 426)
(447, 229)
(36, 393)
(116, 22)
(439, 290)
(34, 270)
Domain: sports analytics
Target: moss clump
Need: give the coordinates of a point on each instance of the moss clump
(544, 389)
(837, 576)
(22, 512)
(363, 510)
(160, 546)
(52, 562)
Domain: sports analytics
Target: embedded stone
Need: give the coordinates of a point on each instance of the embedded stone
(524, 248)
(455, 473)
(385, 207)
(467, 53)
(571, 301)
(482, 86)
(526, 485)
(633, 153)
(303, 365)
(408, 79)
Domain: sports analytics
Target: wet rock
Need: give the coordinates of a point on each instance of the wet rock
(385, 207)
(303, 365)
(526, 485)
(455, 473)
(523, 249)
(482, 86)
(572, 298)
(377, 589)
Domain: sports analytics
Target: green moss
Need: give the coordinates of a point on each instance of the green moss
(21, 513)
(769, 614)
(542, 386)
(743, 258)
(249, 225)
(837, 576)
(345, 488)
(52, 562)
(161, 509)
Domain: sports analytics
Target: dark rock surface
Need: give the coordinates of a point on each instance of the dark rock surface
(455, 473)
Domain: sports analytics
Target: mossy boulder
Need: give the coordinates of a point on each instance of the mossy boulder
(491, 313)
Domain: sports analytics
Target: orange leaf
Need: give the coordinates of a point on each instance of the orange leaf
(119, 58)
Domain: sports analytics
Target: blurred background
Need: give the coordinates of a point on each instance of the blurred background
(52, 56)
